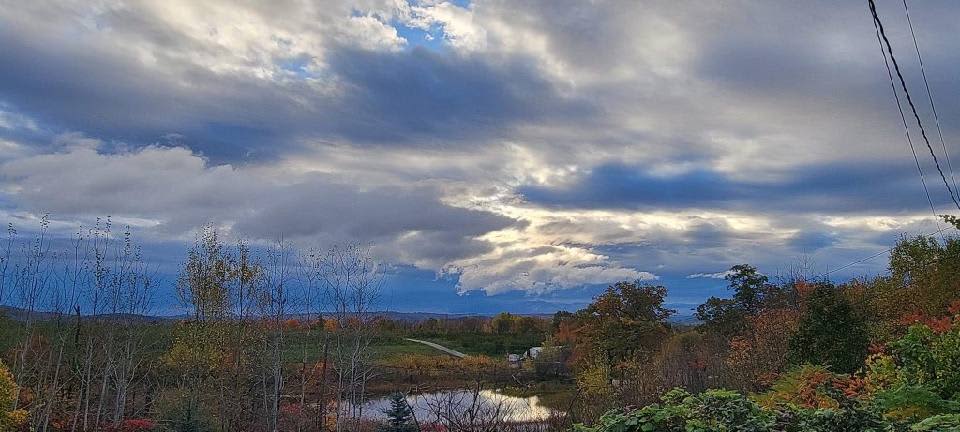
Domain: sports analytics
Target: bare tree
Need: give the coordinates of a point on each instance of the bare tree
(349, 281)
(275, 304)
(131, 287)
(31, 277)
(245, 291)
(5, 260)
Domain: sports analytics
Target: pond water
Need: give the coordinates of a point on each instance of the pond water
(435, 407)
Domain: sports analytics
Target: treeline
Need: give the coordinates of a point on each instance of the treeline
(799, 354)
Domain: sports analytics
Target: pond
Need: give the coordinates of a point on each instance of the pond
(441, 407)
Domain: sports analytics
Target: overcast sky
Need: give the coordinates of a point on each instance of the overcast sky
(496, 154)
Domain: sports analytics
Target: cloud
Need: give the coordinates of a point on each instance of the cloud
(251, 92)
(534, 146)
(835, 187)
(174, 191)
(540, 270)
(717, 275)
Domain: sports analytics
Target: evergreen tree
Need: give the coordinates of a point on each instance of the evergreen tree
(831, 332)
(399, 415)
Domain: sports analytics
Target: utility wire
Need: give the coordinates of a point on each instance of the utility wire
(874, 294)
(826, 274)
(906, 130)
(933, 106)
(903, 83)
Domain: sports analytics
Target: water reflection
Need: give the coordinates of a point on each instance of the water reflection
(450, 406)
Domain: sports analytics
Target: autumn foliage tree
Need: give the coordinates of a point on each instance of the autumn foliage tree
(626, 321)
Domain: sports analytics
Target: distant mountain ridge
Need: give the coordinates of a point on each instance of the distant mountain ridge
(20, 314)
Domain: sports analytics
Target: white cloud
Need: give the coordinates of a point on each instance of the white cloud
(717, 275)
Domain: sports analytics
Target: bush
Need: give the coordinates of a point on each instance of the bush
(940, 423)
(134, 425)
(10, 419)
(712, 410)
(930, 359)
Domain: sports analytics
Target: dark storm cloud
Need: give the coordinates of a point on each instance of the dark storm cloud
(827, 188)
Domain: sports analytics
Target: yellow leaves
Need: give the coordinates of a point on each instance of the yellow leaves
(197, 347)
(594, 380)
(477, 364)
(10, 420)
(469, 364)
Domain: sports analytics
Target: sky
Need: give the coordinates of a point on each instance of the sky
(495, 155)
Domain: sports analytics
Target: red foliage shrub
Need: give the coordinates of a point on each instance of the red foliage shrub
(938, 325)
(134, 425)
(291, 409)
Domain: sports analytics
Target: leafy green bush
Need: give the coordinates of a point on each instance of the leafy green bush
(912, 402)
(915, 387)
(712, 410)
(930, 359)
(940, 423)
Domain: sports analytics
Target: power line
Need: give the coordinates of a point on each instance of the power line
(906, 130)
(868, 258)
(903, 83)
(877, 293)
(926, 85)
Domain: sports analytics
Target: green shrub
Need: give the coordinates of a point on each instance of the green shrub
(940, 423)
(930, 359)
(712, 410)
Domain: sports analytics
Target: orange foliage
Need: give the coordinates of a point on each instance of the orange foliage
(803, 289)
(756, 357)
(330, 325)
(808, 387)
(954, 307)
(291, 324)
(939, 325)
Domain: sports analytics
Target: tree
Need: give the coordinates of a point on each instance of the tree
(399, 415)
(749, 287)
(926, 274)
(504, 323)
(200, 350)
(728, 316)
(757, 356)
(346, 282)
(627, 320)
(721, 316)
(830, 333)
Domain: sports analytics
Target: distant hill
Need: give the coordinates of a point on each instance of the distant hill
(19, 314)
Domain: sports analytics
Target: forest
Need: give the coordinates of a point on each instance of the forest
(282, 339)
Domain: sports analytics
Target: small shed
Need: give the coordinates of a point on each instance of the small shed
(533, 353)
